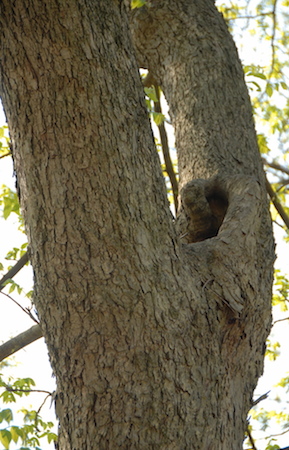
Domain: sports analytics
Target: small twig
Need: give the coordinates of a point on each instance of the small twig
(278, 224)
(283, 182)
(251, 17)
(274, 19)
(280, 320)
(11, 389)
(26, 310)
(276, 166)
(262, 397)
(276, 435)
(49, 394)
(251, 439)
(41, 391)
(27, 337)
(5, 154)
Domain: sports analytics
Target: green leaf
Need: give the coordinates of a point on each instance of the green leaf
(269, 89)
(263, 144)
(151, 93)
(272, 351)
(12, 287)
(6, 414)
(255, 84)
(52, 437)
(5, 438)
(158, 118)
(14, 433)
(8, 397)
(9, 200)
(137, 3)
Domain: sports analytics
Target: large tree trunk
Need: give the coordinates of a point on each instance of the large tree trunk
(156, 333)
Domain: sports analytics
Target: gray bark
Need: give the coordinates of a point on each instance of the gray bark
(156, 340)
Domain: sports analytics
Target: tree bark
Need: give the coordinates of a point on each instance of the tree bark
(156, 333)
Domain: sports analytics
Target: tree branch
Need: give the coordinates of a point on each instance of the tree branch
(280, 320)
(26, 310)
(147, 82)
(277, 204)
(28, 336)
(166, 151)
(15, 269)
(5, 154)
(276, 166)
(20, 341)
(251, 439)
(261, 398)
(274, 26)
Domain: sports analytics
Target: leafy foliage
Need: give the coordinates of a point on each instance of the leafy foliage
(261, 28)
(33, 429)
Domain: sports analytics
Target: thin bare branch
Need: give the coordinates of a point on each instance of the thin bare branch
(165, 148)
(26, 310)
(249, 16)
(274, 26)
(20, 341)
(12, 389)
(280, 320)
(276, 435)
(259, 399)
(251, 439)
(15, 269)
(5, 154)
(276, 166)
(283, 183)
(28, 336)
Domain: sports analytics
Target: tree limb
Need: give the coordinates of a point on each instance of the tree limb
(276, 166)
(28, 336)
(20, 341)
(166, 151)
(277, 204)
(15, 269)
(251, 439)
(262, 397)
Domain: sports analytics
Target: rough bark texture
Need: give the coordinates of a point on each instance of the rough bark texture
(156, 334)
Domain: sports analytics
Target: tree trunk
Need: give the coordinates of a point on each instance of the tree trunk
(156, 332)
